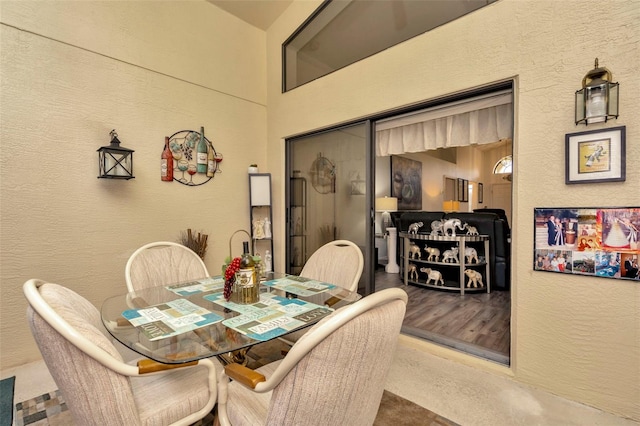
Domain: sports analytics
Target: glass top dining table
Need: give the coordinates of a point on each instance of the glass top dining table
(187, 321)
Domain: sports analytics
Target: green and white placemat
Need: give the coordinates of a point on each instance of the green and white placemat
(272, 316)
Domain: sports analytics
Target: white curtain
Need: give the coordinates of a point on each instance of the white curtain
(476, 121)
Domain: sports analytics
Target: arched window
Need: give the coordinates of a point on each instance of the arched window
(503, 166)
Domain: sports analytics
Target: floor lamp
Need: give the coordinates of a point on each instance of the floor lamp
(386, 205)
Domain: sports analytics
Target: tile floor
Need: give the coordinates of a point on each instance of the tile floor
(469, 396)
(460, 393)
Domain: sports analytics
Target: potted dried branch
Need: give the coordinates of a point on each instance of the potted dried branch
(195, 241)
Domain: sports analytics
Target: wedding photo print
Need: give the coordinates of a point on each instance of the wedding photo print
(599, 242)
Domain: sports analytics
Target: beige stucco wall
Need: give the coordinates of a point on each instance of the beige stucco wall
(578, 337)
(71, 72)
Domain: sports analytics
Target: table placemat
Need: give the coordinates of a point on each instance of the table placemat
(170, 318)
(300, 286)
(199, 286)
(271, 317)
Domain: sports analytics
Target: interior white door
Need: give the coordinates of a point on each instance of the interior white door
(501, 198)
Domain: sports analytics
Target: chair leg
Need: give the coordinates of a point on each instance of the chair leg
(223, 381)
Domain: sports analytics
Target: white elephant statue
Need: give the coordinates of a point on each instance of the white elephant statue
(475, 278)
(450, 255)
(434, 253)
(433, 275)
(436, 227)
(471, 254)
(413, 272)
(413, 228)
(472, 230)
(451, 225)
(414, 251)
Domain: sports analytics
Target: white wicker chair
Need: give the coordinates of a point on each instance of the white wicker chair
(333, 375)
(98, 387)
(338, 262)
(162, 262)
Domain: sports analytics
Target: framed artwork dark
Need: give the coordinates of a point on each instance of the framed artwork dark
(595, 156)
(463, 190)
(406, 182)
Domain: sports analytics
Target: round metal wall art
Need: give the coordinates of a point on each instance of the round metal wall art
(183, 146)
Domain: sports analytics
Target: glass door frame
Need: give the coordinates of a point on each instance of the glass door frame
(370, 123)
(368, 272)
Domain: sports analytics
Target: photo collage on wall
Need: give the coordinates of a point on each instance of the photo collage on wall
(601, 242)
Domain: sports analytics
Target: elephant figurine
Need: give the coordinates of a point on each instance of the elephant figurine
(414, 251)
(433, 275)
(412, 271)
(434, 254)
(436, 227)
(475, 278)
(471, 254)
(451, 225)
(413, 228)
(450, 254)
(472, 230)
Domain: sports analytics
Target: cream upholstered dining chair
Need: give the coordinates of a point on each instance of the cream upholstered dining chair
(333, 375)
(162, 262)
(338, 262)
(98, 387)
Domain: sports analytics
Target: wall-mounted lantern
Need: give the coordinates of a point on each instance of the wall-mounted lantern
(115, 161)
(597, 101)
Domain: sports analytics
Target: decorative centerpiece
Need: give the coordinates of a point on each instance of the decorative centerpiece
(230, 277)
(241, 279)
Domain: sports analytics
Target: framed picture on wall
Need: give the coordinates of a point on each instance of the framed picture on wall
(463, 190)
(406, 182)
(590, 241)
(595, 156)
(480, 193)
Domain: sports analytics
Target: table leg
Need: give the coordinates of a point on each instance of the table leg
(235, 357)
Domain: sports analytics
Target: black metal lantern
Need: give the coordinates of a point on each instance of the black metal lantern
(115, 161)
(597, 101)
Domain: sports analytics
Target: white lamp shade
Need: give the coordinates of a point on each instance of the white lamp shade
(386, 204)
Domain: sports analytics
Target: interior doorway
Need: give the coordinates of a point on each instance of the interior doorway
(474, 323)
(343, 171)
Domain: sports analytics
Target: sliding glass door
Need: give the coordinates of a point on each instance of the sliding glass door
(331, 189)
(329, 194)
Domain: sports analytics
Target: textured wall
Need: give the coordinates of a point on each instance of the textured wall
(578, 337)
(71, 72)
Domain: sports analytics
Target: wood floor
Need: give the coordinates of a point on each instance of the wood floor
(477, 323)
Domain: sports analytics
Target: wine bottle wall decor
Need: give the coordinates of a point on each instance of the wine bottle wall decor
(194, 159)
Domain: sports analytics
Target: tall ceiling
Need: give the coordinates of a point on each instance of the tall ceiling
(259, 13)
(349, 30)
